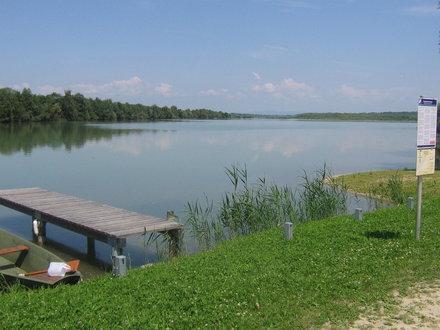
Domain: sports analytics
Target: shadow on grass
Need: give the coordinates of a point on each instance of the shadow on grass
(382, 234)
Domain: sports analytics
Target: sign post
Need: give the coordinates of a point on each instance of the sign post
(426, 141)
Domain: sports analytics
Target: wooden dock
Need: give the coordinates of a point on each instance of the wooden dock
(94, 220)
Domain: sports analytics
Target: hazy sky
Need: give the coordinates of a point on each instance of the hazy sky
(262, 56)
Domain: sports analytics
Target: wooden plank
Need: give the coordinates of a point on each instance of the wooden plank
(115, 219)
(32, 194)
(112, 225)
(56, 202)
(19, 191)
(100, 213)
(153, 228)
(93, 219)
(69, 208)
(26, 200)
(88, 213)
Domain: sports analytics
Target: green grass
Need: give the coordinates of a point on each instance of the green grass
(331, 271)
(368, 181)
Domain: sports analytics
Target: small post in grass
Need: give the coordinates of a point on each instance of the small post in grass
(358, 214)
(410, 203)
(288, 230)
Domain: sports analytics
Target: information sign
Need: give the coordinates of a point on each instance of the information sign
(426, 123)
(425, 161)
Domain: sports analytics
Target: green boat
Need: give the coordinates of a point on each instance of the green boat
(27, 263)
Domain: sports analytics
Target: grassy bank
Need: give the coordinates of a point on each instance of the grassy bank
(369, 182)
(330, 272)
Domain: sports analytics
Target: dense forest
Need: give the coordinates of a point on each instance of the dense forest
(375, 116)
(24, 106)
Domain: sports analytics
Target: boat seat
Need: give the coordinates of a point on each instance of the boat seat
(5, 263)
(18, 248)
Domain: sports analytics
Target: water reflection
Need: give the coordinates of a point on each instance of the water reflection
(25, 137)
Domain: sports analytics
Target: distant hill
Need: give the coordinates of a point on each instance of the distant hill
(373, 116)
(337, 116)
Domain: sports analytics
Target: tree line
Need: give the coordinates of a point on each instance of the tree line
(374, 116)
(24, 106)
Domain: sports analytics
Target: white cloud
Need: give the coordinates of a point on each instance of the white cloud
(224, 93)
(359, 93)
(164, 89)
(132, 86)
(422, 10)
(267, 87)
(286, 87)
(49, 89)
(127, 87)
(20, 87)
(256, 76)
(214, 92)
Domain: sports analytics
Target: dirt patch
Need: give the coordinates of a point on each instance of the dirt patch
(420, 309)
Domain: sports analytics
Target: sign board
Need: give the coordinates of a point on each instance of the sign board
(425, 161)
(426, 136)
(426, 123)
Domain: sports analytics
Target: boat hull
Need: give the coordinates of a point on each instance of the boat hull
(14, 266)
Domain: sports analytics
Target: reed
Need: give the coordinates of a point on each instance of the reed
(321, 196)
(392, 189)
(249, 208)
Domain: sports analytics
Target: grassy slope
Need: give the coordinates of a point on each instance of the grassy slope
(363, 182)
(329, 272)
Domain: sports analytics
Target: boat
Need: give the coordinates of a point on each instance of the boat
(26, 263)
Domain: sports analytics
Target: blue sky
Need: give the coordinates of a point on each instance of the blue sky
(250, 56)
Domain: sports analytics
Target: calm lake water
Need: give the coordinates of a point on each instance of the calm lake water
(154, 167)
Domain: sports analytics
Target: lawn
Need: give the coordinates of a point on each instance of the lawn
(328, 274)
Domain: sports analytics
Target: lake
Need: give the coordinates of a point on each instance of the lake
(154, 167)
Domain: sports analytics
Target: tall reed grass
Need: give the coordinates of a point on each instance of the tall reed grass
(249, 208)
(392, 189)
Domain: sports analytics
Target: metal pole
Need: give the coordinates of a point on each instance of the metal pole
(419, 206)
(410, 203)
(358, 214)
(288, 230)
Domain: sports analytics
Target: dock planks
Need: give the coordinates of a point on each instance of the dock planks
(96, 220)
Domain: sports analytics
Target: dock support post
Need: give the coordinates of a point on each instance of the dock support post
(91, 251)
(119, 261)
(175, 244)
(38, 229)
(175, 237)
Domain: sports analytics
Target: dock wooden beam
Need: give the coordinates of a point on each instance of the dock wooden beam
(96, 221)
